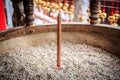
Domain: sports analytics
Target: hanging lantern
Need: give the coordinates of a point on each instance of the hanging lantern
(81, 18)
(71, 16)
(116, 16)
(43, 3)
(72, 7)
(89, 14)
(71, 10)
(60, 10)
(47, 3)
(99, 20)
(52, 5)
(56, 6)
(36, 6)
(65, 11)
(65, 8)
(39, 7)
(70, 13)
(66, 4)
(39, 2)
(36, 1)
(88, 20)
(100, 11)
(88, 10)
(60, 5)
(111, 18)
(47, 9)
(116, 12)
(53, 10)
(103, 15)
(43, 8)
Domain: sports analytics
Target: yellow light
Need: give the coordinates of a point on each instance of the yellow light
(47, 3)
(60, 10)
(111, 18)
(72, 7)
(56, 6)
(99, 20)
(71, 14)
(66, 4)
(81, 18)
(53, 10)
(103, 15)
(100, 11)
(47, 9)
(39, 6)
(64, 8)
(117, 16)
(60, 5)
(43, 3)
(88, 19)
(71, 10)
(88, 10)
(115, 24)
(53, 5)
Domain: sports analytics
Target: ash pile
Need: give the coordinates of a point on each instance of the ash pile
(78, 62)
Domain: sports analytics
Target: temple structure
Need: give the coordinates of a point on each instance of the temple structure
(36, 12)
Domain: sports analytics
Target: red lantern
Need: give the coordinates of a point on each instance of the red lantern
(111, 18)
(116, 12)
(72, 7)
(103, 15)
(66, 4)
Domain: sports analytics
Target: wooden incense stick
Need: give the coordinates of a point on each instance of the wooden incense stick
(58, 41)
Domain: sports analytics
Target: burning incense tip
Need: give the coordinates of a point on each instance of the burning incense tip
(58, 67)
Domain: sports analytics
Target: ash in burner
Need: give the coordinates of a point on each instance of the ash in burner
(79, 62)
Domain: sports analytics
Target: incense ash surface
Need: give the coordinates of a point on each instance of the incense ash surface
(78, 62)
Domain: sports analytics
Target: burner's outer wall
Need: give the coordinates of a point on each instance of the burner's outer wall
(101, 36)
